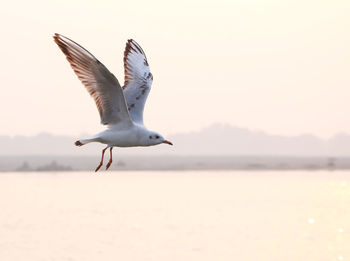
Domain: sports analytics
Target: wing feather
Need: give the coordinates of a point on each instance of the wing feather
(99, 82)
(137, 80)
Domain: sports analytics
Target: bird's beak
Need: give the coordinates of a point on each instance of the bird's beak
(167, 142)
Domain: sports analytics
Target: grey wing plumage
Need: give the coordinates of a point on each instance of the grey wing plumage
(138, 80)
(99, 82)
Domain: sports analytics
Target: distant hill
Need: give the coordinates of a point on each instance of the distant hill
(222, 139)
(217, 139)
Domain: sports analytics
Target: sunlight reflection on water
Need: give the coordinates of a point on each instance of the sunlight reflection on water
(293, 215)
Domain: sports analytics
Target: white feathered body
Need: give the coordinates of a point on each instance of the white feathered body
(117, 136)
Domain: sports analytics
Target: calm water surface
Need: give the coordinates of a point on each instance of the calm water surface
(164, 216)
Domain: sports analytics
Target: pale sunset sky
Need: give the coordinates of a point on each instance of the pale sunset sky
(277, 66)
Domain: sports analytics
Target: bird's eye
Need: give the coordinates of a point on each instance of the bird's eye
(150, 137)
(157, 137)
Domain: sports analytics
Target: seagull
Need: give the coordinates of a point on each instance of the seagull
(120, 108)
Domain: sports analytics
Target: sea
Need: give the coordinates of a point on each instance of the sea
(175, 215)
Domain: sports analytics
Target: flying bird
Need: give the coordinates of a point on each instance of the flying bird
(120, 108)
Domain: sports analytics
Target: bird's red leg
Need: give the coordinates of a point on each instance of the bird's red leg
(103, 153)
(110, 158)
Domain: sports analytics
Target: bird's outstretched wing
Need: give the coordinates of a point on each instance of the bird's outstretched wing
(138, 80)
(99, 82)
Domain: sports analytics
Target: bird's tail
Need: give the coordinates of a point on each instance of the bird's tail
(83, 142)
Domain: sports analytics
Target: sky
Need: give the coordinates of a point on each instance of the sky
(277, 66)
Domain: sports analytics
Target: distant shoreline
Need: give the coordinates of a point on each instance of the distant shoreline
(167, 163)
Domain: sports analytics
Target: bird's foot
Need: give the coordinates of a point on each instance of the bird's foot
(98, 167)
(108, 164)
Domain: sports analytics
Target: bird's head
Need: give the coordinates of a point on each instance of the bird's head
(154, 138)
